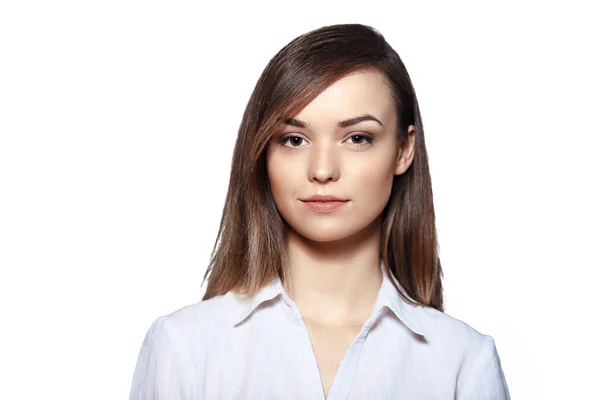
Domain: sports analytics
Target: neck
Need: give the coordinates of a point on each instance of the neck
(335, 283)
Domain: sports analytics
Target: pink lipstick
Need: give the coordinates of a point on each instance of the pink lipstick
(324, 203)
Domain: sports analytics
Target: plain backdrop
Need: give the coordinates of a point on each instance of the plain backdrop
(118, 121)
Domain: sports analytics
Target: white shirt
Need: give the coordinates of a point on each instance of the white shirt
(222, 348)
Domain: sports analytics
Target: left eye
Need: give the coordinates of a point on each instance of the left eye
(360, 137)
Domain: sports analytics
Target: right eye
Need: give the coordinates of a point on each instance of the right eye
(296, 141)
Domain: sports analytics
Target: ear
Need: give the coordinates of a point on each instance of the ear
(406, 152)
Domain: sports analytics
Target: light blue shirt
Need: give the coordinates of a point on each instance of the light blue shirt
(223, 348)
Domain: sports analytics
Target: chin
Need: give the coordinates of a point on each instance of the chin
(323, 233)
(324, 237)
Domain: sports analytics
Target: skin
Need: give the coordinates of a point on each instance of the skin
(334, 258)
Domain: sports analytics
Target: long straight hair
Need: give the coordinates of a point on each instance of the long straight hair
(250, 249)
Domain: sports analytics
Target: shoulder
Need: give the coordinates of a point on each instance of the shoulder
(441, 326)
(186, 335)
(192, 327)
(453, 336)
(196, 321)
(472, 353)
(174, 347)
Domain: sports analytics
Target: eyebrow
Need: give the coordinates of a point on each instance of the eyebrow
(341, 124)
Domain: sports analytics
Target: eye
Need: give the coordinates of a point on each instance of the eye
(295, 140)
(363, 139)
(356, 139)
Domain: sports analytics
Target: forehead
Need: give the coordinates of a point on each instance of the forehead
(361, 92)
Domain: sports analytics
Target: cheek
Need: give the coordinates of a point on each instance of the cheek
(372, 176)
(282, 176)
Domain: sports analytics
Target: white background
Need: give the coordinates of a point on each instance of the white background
(118, 120)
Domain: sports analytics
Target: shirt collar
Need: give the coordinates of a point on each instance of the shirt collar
(245, 307)
(388, 297)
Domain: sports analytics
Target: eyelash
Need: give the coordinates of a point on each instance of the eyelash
(368, 140)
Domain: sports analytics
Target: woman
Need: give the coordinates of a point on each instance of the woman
(325, 280)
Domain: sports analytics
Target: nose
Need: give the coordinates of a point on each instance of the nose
(324, 163)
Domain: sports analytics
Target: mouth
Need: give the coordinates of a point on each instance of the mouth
(326, 206)
(323, 198)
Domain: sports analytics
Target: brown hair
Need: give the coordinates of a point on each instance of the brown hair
(250, 249)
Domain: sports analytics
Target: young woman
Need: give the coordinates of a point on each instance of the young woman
(325, 280)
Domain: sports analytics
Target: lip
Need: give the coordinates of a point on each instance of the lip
(326, 197)
(324, 206)
(324, 203)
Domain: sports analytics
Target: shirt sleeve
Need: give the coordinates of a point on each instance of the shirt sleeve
(483, 378)
(158, 374)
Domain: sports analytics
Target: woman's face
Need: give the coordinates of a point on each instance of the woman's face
(315, 153)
